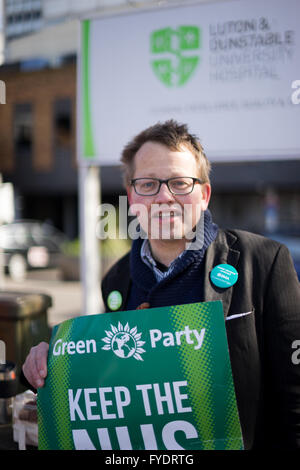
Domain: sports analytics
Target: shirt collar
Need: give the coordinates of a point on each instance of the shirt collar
(147, 257)
(146, 254)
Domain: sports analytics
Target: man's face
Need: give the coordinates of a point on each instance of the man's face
(166, 216)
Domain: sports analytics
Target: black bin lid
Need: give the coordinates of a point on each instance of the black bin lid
(19, 305)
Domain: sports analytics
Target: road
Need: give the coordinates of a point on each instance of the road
(66, 296)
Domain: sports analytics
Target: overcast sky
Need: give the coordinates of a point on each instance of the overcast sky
(1, 5)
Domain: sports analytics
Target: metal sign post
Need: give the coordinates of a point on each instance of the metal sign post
(89, 196)
(7, 215)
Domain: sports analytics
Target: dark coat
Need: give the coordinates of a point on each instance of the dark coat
(267, 382)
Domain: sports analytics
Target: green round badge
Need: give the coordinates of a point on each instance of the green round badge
(224, 275)
(114, 300)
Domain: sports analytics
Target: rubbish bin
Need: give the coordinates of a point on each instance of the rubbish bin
(23, 324)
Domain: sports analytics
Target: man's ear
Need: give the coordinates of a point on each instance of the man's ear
(206, 193)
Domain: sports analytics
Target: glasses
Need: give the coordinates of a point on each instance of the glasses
(151, 186)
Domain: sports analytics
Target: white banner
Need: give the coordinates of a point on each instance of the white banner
(225, 69)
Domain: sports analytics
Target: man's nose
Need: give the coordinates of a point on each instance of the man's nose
(164, 194)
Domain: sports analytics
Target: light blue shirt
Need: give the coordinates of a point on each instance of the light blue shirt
(148, 259)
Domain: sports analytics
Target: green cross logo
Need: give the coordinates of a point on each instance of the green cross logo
(182, 43)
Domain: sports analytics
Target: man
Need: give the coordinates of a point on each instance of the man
(167, 181)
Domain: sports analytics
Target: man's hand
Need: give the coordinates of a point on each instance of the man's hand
(35, 366)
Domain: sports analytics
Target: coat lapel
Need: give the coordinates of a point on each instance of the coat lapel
(220, 252)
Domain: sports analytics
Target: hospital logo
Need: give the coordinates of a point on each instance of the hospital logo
(175, 54)
(124, 342)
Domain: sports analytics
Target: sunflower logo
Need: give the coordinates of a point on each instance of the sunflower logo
(124, 342)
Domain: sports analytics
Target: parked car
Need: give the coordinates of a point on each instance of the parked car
(29, 244)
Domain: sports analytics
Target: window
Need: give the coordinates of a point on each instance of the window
(23, 127)
(62, 123)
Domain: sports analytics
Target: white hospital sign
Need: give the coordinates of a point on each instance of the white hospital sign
(225, 69)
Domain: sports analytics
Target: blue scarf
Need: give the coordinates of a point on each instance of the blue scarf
(182, 285)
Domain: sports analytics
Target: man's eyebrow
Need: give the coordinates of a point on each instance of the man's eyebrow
(151, 175)
(154, 175)
(148, 175)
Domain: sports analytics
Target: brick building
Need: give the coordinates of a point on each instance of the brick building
(38, 141)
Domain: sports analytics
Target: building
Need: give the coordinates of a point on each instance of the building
(37, 141)
(48, 29)
(22, 18)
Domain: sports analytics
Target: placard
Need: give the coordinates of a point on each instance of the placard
(156, 379)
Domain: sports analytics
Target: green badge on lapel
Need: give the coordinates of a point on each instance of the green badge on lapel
(224, 275)
(114, 300)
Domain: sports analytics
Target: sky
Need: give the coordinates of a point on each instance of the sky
(1, 6)
(1, 37)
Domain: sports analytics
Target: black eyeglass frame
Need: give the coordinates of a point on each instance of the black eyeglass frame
(195, 180)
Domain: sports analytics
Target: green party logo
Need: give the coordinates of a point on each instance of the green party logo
(124, 342)
(177, 54)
